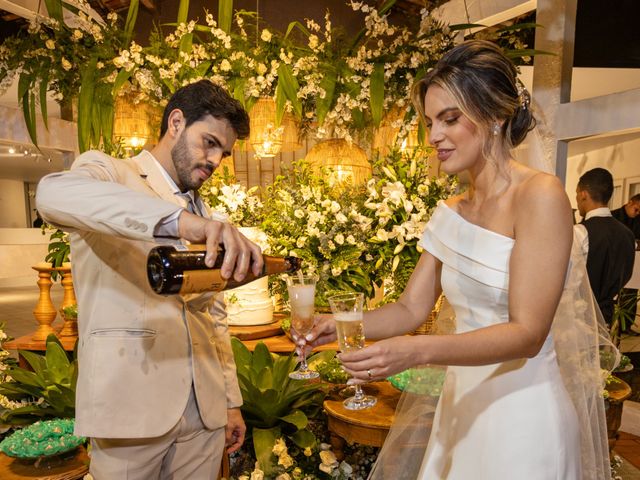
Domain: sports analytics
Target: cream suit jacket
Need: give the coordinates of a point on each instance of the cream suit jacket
(139, 352)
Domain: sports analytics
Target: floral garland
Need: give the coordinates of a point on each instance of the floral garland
(335, 86)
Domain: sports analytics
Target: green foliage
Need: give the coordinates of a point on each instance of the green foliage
(331, 369)
(56, 57)
(309, 217)
(274, 405)
(223, 193)
(71, 311)
(51, 386)
(399, 201)
(340, 86)
(623, 313)
(58, 248)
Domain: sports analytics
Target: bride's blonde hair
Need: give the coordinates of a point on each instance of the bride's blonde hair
(483, 82)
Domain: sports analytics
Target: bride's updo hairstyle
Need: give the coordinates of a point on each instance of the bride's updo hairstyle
(483, 82)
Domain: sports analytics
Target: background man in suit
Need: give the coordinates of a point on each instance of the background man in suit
(157, 389)
(608, 245)
(629, 215)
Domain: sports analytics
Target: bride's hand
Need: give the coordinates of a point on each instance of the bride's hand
(382, 359)
(323, 332)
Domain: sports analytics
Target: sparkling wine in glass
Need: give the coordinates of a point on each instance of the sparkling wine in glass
(347, 313)
(302, 291)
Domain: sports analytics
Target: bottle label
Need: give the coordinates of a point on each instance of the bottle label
(190, 247)
(198, 281)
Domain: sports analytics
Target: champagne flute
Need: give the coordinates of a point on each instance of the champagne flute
(347, 313)
(302, 291)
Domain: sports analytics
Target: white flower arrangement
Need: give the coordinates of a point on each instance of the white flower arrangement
(223, 194)
(308, 217)
(400, 199)
(305, 465)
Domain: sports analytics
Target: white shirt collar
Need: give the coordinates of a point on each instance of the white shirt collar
(598, 212)
(170, 181)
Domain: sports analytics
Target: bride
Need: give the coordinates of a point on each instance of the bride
(521, 398)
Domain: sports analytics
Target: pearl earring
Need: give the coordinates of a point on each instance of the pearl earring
(496, 129)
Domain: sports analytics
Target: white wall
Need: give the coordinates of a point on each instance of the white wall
(12, 204)
(621, 159)
(20, 248)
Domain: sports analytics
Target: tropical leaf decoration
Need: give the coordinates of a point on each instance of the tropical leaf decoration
(340, 87)
(274, 405)
(50, 386)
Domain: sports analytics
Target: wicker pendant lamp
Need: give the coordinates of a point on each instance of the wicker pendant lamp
(267, 139)
(387, 135)
(348, 162)
(135, 123)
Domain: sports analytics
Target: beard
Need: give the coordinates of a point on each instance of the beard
(184, 163)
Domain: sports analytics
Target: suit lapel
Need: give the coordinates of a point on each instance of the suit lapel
(150, 171)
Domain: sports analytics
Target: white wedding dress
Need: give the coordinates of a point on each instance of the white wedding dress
(511, 420)
(518, 419)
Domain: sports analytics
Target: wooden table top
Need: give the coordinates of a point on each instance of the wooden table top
(619, 391)
(72, 469)
(381, 415)
(26, 343)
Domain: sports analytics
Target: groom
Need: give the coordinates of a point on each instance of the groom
(607, 244)
(157, 390)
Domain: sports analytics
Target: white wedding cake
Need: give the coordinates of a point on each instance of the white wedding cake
(250, 304)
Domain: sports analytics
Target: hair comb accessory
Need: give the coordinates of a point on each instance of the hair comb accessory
(524, 97)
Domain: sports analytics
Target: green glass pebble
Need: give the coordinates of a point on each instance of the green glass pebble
(51, 437)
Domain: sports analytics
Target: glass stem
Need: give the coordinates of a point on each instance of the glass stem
(303, 363)
(358, 395)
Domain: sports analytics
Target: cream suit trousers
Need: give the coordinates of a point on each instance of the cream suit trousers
(187, 452)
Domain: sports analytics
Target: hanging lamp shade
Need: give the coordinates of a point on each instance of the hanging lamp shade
(387, 135)
(135, 123)
(347, 162)
(267, 139)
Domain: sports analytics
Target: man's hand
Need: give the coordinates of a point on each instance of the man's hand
(240, 253)
(234, 430)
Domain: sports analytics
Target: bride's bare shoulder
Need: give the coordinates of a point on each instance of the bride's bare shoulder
(538, 189)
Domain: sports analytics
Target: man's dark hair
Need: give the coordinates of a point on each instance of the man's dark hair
(598, 182)
(635, 198)
(202, 98)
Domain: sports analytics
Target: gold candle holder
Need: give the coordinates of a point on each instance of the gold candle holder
(45, 311)
(70, 327)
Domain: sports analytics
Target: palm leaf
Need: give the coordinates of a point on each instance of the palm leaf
(54, 8)
(44, 85)
(183, 11)
(328, 84)
(377, 93)
(225, 14)
(299, 26)
(290, 87)
(85, 100)
(121, 78)
(130, 23)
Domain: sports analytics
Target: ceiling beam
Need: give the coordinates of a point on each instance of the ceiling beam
(485, 12)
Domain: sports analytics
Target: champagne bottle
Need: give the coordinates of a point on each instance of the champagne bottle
(181, 269)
